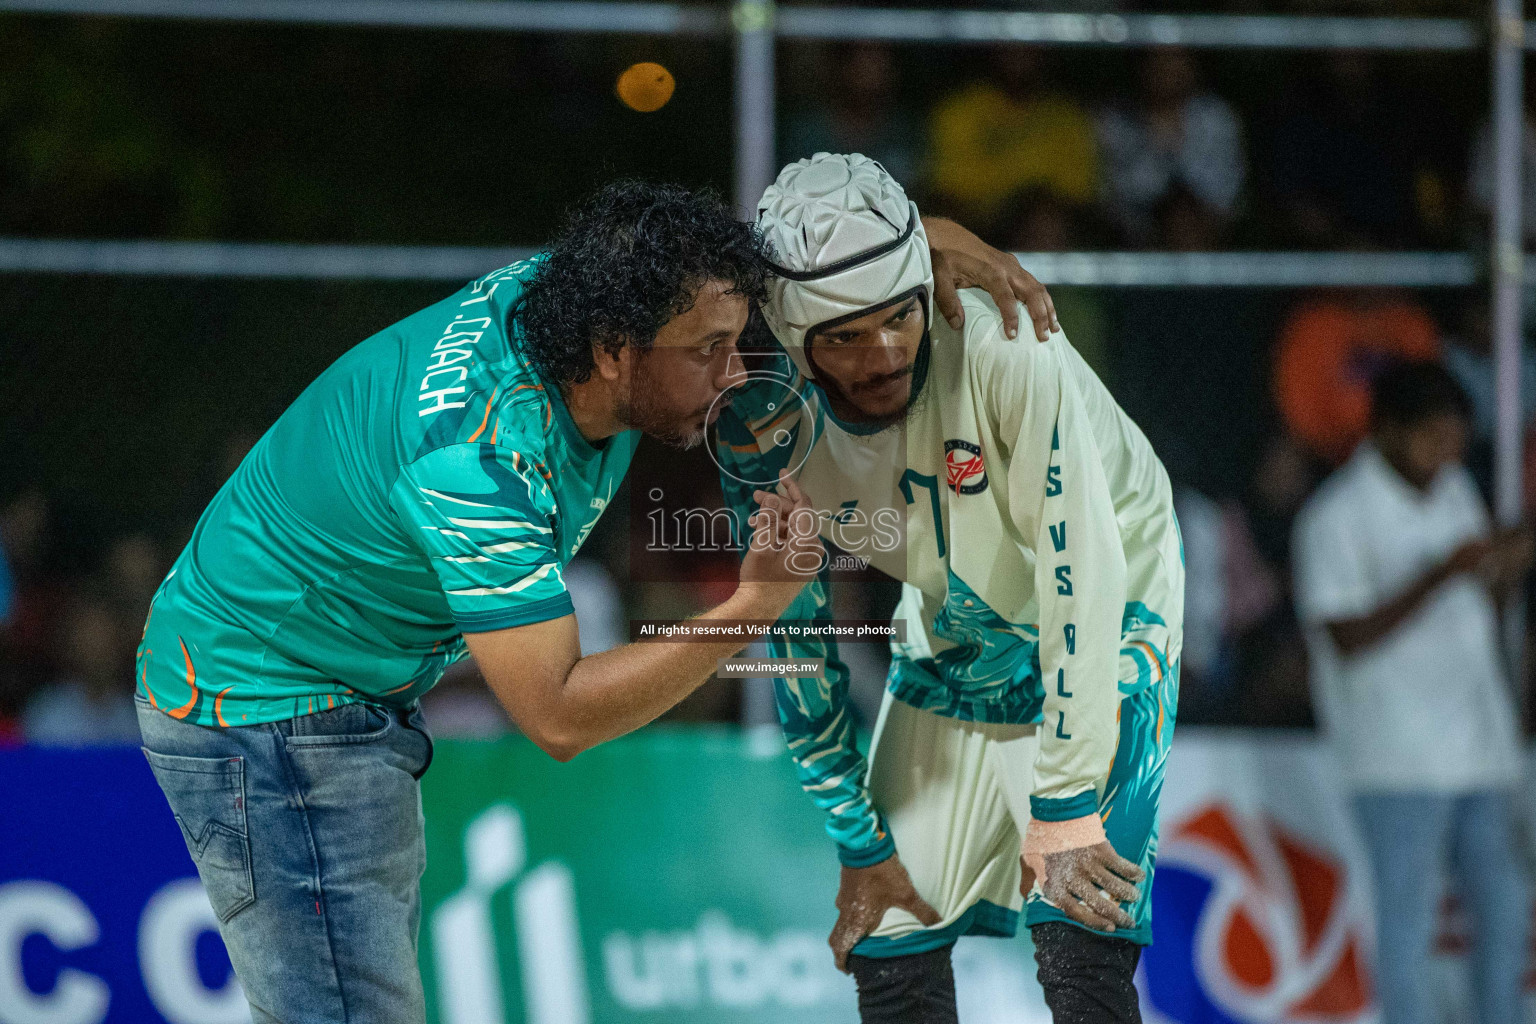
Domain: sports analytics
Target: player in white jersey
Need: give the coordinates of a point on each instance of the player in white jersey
(1030, 705)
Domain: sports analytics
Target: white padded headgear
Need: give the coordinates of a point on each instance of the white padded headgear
(845, 239)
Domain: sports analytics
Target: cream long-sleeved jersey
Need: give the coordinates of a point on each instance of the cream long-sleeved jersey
(1032, 527)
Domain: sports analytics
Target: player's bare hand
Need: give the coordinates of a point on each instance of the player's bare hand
(785, 550)
(961, 260)
(1088, 884)
(863, 897)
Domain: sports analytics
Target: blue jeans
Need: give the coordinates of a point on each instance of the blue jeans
(1411, 838)
(309, 839)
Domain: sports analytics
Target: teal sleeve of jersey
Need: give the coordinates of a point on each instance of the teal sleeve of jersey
(818, 724)
(822, 739)
(486, 519)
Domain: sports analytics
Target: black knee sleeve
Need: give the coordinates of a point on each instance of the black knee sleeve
(1087, 977)
(915, 989)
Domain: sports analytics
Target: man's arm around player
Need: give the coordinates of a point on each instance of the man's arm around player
(567, 703)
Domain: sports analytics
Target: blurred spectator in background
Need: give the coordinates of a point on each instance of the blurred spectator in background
(7, 587)
(1341, 161)
(1331, 347)
(1395, 560)
(1282, 482)
(462, 705)
(27, 633)
(1228, 589)
(1039, 219)
(1271, 659)
(1183, 222)
(9, 730)
(858, 111)
(92, 700)
(1480, 171)
(995, 138)
(131, 574)
(1170, 134)
(1469, 357)
(598, 605)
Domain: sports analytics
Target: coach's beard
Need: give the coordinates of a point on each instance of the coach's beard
(642, 412)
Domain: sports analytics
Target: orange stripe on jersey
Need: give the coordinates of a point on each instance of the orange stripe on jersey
(218, 705)
(186, 709)
(775, 418)
(489, 402)
(549, 411)
(1157, 665)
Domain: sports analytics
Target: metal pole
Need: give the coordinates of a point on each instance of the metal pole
(1505, 257)
(753, 23)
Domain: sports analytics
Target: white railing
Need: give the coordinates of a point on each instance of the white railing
(461, 263)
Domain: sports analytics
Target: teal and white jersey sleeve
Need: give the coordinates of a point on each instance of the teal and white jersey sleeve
(823, 742)
(1060, 502)
(486, 519)
(815, 713)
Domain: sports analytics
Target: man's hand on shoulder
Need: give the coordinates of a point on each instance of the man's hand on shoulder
(961, 260)
(863, 897)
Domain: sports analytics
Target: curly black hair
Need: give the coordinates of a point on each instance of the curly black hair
(631, 257)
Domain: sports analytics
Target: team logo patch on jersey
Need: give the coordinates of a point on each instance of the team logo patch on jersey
(963, 467)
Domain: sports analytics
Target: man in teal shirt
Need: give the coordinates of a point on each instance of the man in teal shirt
(418, 502)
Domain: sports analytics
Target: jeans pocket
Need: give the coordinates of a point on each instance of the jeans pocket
(357, 722)
(207, 797)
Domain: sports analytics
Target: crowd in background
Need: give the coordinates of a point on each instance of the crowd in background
(1339, 158)
(1169, 163)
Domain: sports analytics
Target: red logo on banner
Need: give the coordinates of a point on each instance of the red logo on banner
(1277, 923)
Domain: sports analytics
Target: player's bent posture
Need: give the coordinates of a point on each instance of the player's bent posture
(1033, 529)
(417, 502)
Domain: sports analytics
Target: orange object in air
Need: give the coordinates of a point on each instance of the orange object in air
(645, 87)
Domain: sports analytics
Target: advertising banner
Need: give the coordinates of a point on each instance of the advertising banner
(680, 876)
(1262, 909)
(102, 917)
(674, 876)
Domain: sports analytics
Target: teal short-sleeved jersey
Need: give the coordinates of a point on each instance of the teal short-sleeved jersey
(428, 484)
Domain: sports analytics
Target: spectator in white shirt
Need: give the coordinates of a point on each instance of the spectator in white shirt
(1171, 134)
(1394, 564)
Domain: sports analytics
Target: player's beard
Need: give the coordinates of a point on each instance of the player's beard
(645, 410)
(916, 371)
